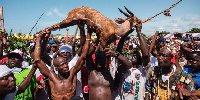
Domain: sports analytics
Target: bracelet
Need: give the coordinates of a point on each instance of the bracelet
(117, 54)
(88, 39)
(37, 47)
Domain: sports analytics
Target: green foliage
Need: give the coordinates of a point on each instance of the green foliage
(112, 48)
(17, 43)
(127, 52)
(194, 30)
(165, 32)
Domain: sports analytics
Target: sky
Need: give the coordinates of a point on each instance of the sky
(21, 15)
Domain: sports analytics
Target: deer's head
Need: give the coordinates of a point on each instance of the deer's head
(129, 17)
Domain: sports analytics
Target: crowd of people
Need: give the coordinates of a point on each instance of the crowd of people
(130, 69)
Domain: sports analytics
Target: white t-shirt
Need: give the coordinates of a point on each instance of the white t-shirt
(11, 96)
(154, 61)
(132, 85)
(72, 63)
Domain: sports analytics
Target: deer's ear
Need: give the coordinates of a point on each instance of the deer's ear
(119, 20)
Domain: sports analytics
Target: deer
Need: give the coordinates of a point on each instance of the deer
(106, 30)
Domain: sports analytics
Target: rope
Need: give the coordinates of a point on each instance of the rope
(173, 5)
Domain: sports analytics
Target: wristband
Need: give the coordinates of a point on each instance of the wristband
(37, 47)
(117, 54)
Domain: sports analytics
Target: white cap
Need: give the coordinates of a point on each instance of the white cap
(65, 48)
(4, 70)
(16, 51)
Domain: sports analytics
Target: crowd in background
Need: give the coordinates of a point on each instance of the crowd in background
(178, 76)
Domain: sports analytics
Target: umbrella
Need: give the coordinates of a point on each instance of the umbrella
(94, 37)
(27, 36)
(77, 36)
(15, 35)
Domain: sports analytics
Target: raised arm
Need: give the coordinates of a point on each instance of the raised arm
(121, 41)
(37, 54)
(82, 58)
(185, 49)
(45, 57)
(118, 51)
(143, 45)
(25, 83)
(83, 37)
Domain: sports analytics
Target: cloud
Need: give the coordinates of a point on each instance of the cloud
(172, 24)
(49, 13)
(55, 12)
(191, 18)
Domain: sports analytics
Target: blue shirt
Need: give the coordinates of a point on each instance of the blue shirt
(196, 77)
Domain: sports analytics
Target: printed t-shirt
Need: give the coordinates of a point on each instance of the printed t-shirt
(133, 84)
(196, 77)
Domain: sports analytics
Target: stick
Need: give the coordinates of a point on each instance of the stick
(67, 37)
(2, 20)
(35, 24)
(75, 33)
(173, 5)
(153, 42)
(2, 24)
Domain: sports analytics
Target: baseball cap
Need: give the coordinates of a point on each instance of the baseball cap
(54, 45)
(51, 41)
(16, 51)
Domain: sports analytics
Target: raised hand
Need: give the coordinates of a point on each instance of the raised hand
(43, 34)
(138, 26)
(81, 24)
(110, 52)
(90, 29)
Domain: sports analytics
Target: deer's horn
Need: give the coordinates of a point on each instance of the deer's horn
(127, 15)
(129, 11)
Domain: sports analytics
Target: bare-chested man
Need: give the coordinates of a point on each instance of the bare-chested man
(100, 80)
(63, 85)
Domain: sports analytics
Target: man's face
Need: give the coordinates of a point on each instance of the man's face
(61, 65)
(48, 46)
(7, 84)
(8, 44)
(65, 55)
(100, 59)
(54, 48)
(164, 58)
(195, 60)
(136, 58)
(14, 60)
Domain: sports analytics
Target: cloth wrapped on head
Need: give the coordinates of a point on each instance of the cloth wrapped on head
(4, 70)
(65, 48)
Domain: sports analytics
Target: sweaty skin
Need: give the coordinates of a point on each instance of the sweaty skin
(63, 85)
(100, 85)
(100, 81)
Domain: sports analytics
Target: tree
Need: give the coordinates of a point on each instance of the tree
(194, 30)
(165, 32)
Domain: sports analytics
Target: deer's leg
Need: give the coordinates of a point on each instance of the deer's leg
(64, 24)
